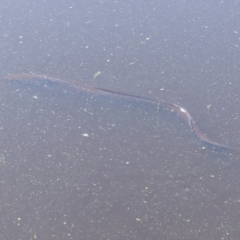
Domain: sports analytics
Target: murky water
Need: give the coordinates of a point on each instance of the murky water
(78, 162)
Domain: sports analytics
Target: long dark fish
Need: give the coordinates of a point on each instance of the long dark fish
(182, 112)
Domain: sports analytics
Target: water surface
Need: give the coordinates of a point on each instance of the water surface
(76, 162)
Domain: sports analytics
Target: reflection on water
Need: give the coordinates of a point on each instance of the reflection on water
(77, 162)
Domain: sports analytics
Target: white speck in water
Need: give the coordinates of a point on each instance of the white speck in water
(208, 106)
(85, 135)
